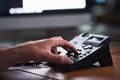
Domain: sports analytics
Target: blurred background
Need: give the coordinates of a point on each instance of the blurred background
(26, 20)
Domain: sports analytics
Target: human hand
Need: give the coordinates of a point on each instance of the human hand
(45, 50)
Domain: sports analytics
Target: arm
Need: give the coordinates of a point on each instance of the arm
(39, 51)
(8, 57)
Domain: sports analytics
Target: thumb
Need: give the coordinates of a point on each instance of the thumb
(60, 59)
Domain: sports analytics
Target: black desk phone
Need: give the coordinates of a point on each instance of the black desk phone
(91, 48)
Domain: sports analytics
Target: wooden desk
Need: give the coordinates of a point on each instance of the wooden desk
(47, 73)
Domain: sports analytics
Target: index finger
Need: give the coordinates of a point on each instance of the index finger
(66, 45)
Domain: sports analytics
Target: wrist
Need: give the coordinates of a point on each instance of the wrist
(23, 52)
(12, 54)
(8, 57)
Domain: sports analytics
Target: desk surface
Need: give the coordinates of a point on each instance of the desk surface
(47, 73)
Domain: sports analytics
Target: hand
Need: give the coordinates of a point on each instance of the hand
(45, 50)
(39, 51)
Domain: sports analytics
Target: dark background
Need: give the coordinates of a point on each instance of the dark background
(104, 19)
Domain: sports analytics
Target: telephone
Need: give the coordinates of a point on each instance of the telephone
(91, 48)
